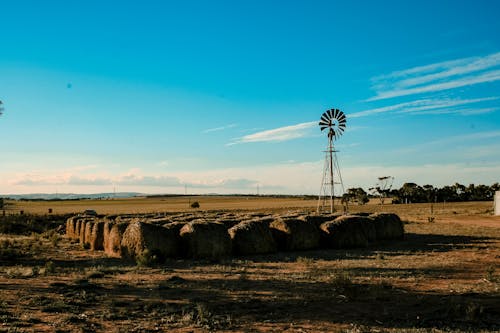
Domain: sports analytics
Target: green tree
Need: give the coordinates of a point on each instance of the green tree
(356, 195)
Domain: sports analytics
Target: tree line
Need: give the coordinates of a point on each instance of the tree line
(414, 193)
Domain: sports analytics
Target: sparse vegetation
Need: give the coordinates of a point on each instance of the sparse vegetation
(440, 277)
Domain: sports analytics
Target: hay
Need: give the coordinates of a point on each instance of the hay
(348, 232)
(113, 241)
(295, 234)
(76, 231)
(70, 227)
(319, 219)
(388, 226)
(96, 239)
(229, 222)
(209, 240)
(159, 241)
(176, 226)
(82, 231)
(88, 232)
(252, 237)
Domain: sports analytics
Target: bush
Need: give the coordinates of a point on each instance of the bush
(195, 204)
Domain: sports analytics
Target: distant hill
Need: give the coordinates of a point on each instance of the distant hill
(69, 196)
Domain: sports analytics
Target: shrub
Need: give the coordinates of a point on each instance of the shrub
(195, 204)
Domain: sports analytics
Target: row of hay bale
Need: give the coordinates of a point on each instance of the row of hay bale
(199, 238)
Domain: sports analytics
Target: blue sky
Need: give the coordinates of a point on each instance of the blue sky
(224, 96)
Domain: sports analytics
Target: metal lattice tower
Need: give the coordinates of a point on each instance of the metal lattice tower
(335, 121)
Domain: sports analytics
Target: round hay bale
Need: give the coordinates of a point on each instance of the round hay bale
(295, 234)
(176, 226)
(160, 220)
(159, 241)
(252, 237)
(88, 232)
(229, 222)
(82, 231)
(202, 239)
(107, 229)
(348, 231)
(114, 239)
(319, 219)
(97, 236)
(388, 226)
(76, 231)
(70, 227)
(266, 220)
(110, 218)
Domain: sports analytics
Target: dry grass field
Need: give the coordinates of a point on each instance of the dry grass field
(443, 277)
(160, 204)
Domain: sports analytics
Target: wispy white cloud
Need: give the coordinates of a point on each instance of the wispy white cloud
(421, 106)
(437, 77)
(221, 128)
(462, 112)
(278, 134)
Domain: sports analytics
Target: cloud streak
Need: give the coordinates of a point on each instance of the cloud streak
(218, 129)
(422, 106)
(279, 134)
(437, 77)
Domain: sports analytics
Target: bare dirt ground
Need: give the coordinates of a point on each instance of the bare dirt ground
(444, 276)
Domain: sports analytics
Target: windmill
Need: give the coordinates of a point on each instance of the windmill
(334, 121)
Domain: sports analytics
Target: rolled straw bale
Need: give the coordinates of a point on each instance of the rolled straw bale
(110, 218)
(76, 231)
(97, 236)
(266, 220)
(159, 241)
(388, 226)
(318, 219)
(348, 231)
(88, 232)
(160, 220)
(107, 229)
(295, 234)
(176, 226)
(252, 237)
(70, 227)
(82, 230)
(229, 222)
(114, 239)
(124, 218)
(202, 239)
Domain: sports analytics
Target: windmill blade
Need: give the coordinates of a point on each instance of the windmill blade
(325, 122)
(325, 118)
